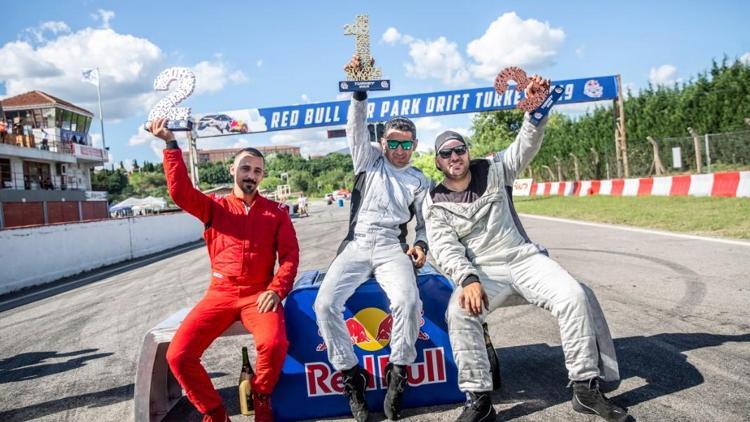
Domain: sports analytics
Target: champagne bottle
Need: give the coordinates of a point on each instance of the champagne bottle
(492, 356)
(246, 377)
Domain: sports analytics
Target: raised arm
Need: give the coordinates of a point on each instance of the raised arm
(522, 150)
(519, 154)
(181, 189)
(363, 152)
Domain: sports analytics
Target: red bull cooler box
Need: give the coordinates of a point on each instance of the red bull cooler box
(310, 388)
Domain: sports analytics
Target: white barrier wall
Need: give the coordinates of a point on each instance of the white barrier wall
(38, 255)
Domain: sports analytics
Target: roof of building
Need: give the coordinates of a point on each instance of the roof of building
(261, 148)
(39, 98)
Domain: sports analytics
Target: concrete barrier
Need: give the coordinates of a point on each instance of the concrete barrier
(38, 255)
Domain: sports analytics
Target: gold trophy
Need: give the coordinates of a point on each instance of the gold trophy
(365, 77)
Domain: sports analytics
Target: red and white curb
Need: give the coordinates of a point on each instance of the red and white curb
(725, 184)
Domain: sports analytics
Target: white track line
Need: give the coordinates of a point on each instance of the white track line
(640, 230)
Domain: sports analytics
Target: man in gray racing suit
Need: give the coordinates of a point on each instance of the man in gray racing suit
(387, 193)
(478, 242)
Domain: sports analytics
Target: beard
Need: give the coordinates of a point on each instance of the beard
(248, 186)
(455, 176)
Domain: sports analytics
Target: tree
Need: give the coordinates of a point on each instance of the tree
(425, 161)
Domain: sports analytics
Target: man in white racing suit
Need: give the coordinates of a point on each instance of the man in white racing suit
(477, 240)
(387, 193)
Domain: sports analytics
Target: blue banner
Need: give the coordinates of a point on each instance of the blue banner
(310, 388)
(474, 100)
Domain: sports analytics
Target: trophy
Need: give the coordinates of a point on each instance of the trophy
(364, 77)
(178, 118)
(537, 105)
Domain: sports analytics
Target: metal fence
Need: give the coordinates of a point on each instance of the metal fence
(729, 151)
(21, 181)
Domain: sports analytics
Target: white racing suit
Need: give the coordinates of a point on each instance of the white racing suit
(485, 238)
(384, 199)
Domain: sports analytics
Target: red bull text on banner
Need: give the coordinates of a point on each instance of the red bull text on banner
(310, 388)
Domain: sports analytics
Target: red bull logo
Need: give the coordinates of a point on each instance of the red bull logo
(370, 329)
(322, 380)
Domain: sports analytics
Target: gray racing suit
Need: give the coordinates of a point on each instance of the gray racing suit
(384, 199)
(484, 238)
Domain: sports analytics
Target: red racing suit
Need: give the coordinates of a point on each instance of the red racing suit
(243, 243)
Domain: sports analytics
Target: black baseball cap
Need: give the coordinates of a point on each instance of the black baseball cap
(447, 136)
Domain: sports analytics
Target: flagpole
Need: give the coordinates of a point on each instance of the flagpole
(101, 117)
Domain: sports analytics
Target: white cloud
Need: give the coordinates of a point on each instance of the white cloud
(511, 41)
(21, 60)
(746, 58)
(427, 124)
(437, 59)
(665, 75)
(104, 16)
(55, 27)
(343, 96)
(127, 66)
(391, 36)
(212, 77)
(305, 98)
(259, 63)
(310, 141)
(580, 51)
(508, 41)
(141, 137)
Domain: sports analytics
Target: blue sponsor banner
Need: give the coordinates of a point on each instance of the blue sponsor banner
(383, 108)
(310, 388)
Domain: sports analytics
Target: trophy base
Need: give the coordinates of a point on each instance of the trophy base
(176, 125)
(554, 95)
(376, 85)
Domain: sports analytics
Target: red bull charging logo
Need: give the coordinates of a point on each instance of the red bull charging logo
(370, 329)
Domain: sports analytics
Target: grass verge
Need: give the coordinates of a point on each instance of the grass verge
(706, 216)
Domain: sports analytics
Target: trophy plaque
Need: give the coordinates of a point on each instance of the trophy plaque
(365, 77)
(178, 118)
(537, 105)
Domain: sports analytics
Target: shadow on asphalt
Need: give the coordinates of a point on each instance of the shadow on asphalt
(97, 399)
(535, 378)
(33, 365)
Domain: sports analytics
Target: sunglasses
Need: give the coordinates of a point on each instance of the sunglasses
(446, 153)
(405, 145)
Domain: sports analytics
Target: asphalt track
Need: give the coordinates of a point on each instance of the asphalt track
(678, 308)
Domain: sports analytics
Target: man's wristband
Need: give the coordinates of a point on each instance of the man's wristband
(470, 279)
(172, 144)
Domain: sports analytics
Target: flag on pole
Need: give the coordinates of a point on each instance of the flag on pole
(91, 76)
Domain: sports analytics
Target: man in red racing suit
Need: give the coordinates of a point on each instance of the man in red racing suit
(244, 232)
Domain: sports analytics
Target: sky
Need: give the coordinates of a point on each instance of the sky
(252, 54)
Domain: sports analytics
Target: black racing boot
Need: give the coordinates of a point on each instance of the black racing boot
(588, 399)
(355, 383)
(395, 377)
(478, 408)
